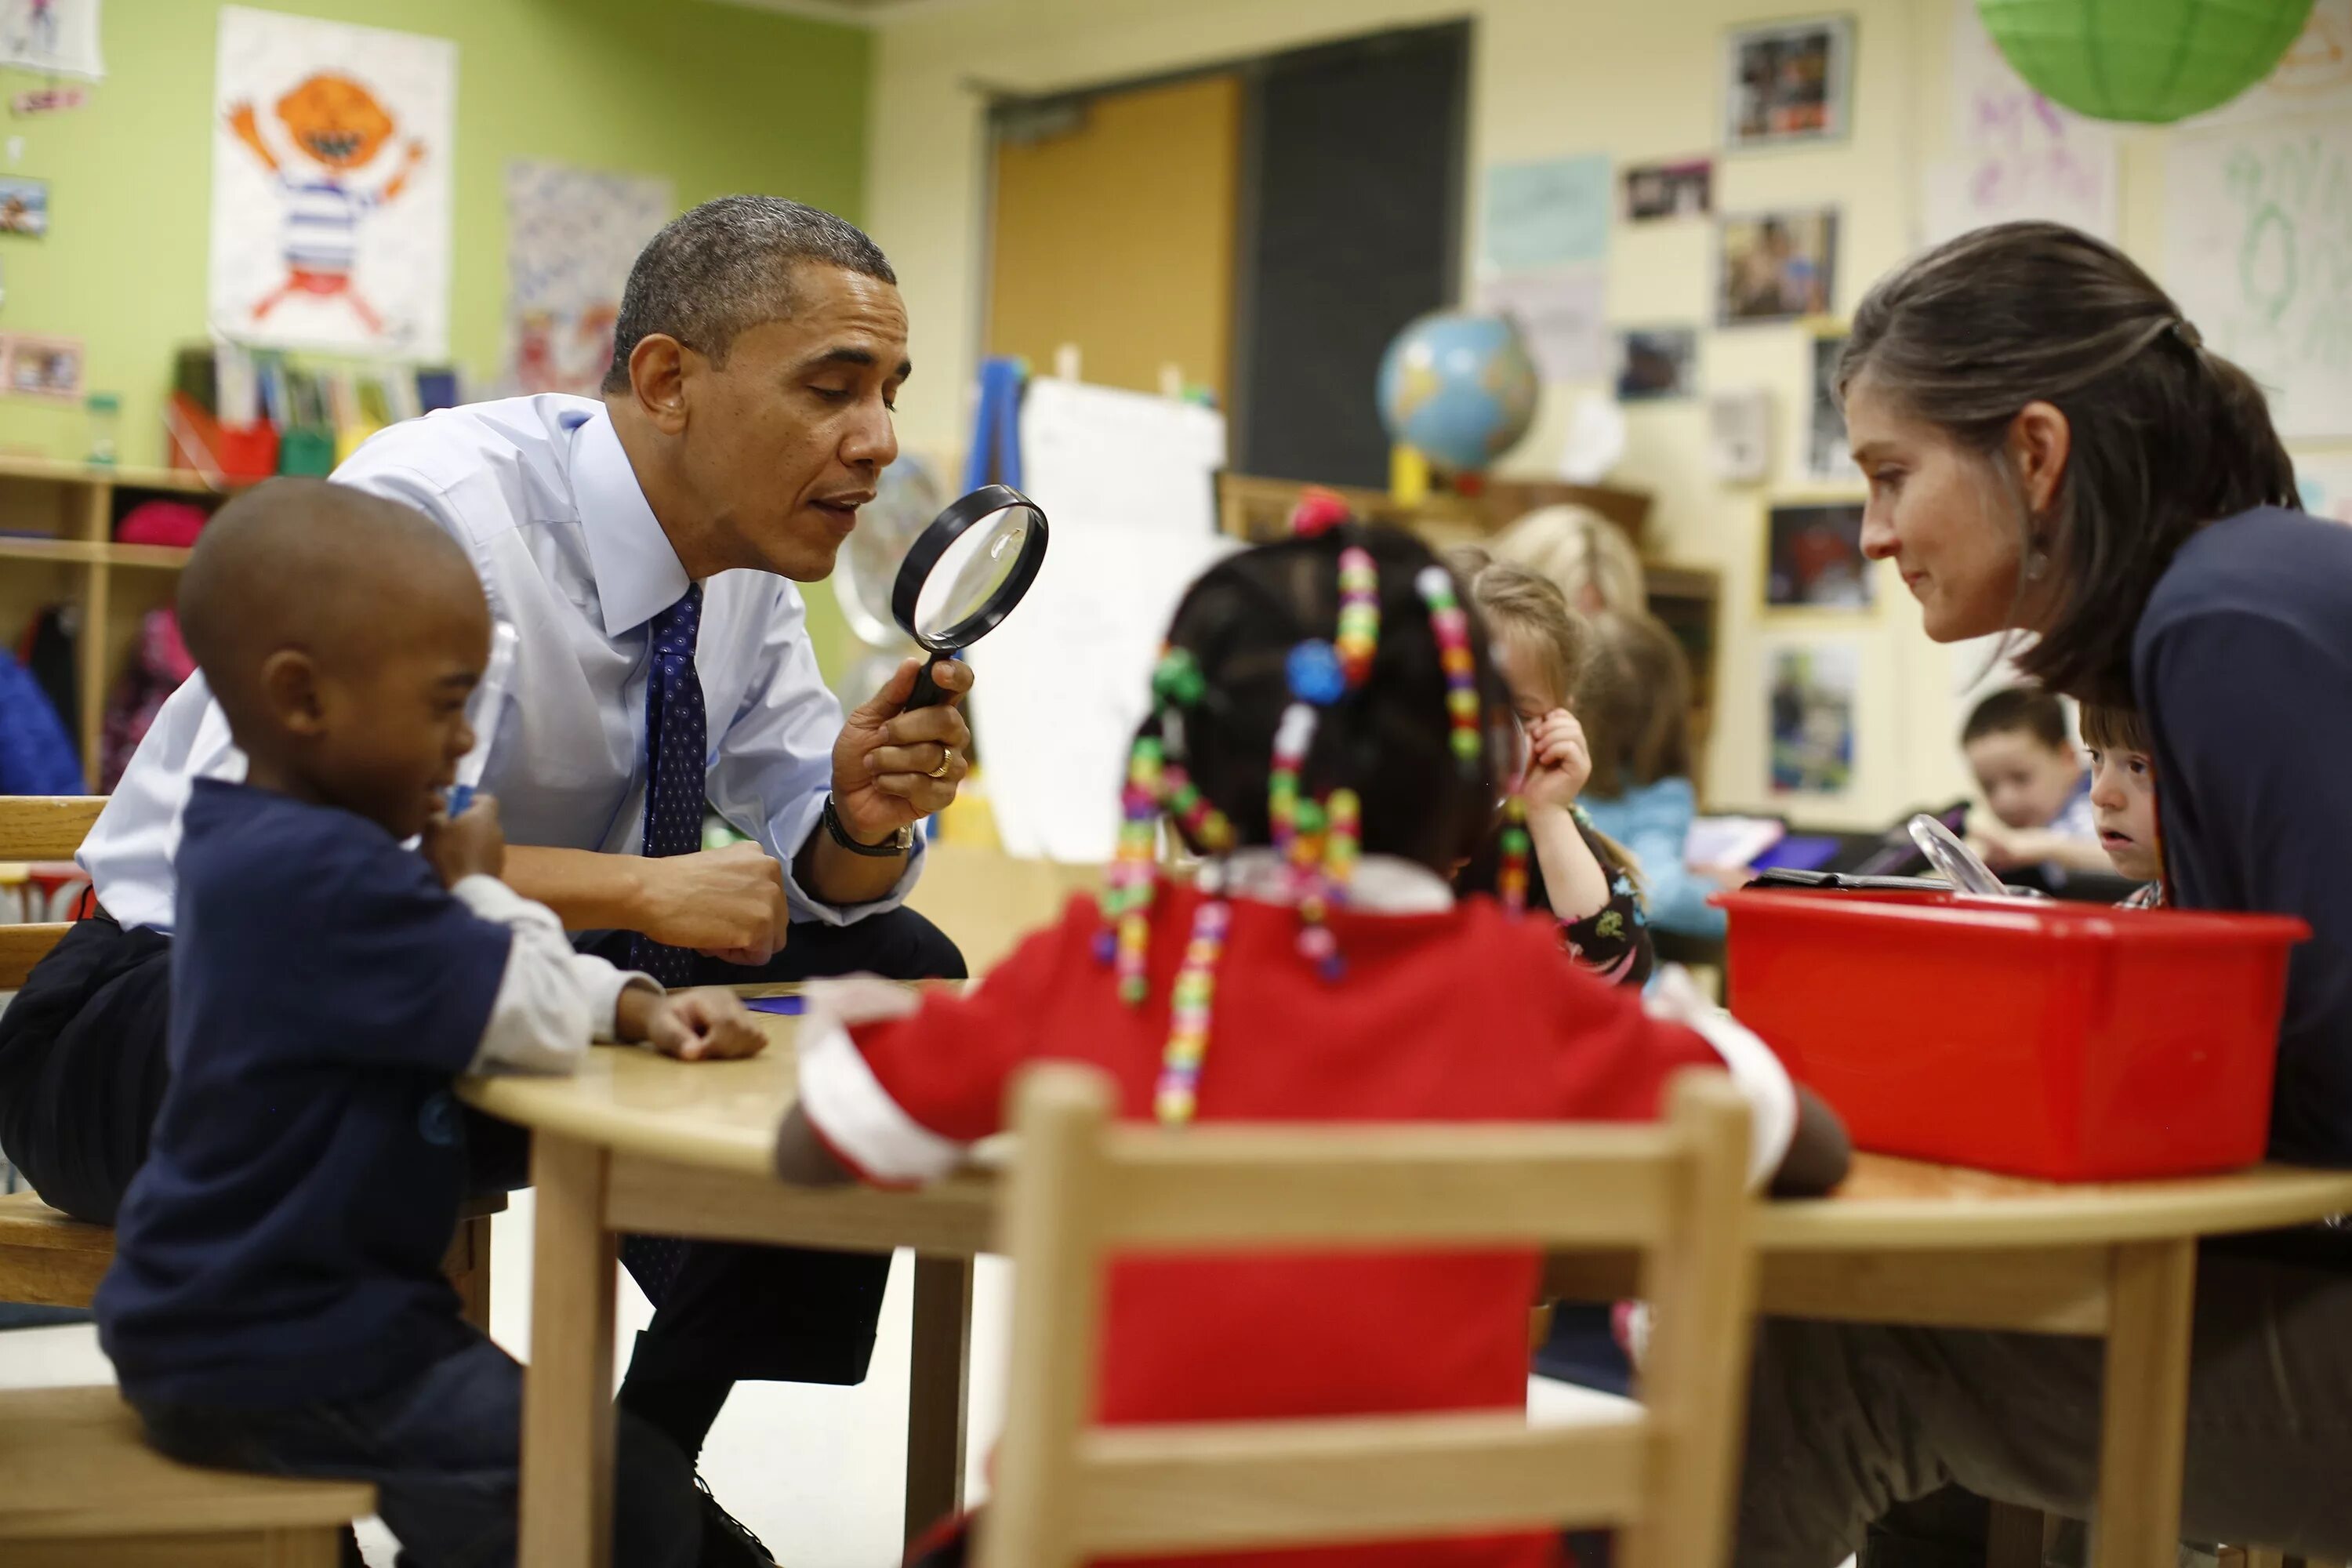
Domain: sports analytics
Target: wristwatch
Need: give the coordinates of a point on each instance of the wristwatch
(890, 848)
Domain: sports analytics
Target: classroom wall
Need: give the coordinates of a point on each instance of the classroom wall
(1640, 82)
(717, 98)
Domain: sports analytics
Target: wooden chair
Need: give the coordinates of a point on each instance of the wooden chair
(39, 827)
(1083, 1188)
(49, 1259)
(84, 1489)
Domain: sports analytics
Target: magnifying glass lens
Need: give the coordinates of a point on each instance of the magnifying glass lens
(969, 575)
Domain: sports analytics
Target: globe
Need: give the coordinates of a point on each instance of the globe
(2150, 61)
(1458, 388)
(905, 498)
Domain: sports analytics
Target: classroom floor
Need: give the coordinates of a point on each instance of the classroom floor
(815, 1472)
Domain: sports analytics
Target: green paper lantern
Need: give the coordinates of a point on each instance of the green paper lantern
(2150, 61)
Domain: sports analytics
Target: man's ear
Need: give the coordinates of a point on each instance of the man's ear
(289, 692)
(658, 370)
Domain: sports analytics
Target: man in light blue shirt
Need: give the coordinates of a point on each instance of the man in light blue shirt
(645, 546)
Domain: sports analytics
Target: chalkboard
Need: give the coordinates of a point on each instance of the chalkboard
(1352, 227)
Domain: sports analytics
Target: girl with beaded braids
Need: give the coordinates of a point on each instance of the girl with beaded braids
(1331, 733)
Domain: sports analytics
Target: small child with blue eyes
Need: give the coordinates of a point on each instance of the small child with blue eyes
(2122, 799)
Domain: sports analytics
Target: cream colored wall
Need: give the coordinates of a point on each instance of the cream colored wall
(1639, 79)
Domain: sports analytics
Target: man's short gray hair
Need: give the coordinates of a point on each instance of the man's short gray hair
(727, 266)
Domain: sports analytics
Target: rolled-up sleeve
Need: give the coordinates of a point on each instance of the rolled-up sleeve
(773, 767)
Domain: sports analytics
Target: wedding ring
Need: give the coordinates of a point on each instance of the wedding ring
(947, 761)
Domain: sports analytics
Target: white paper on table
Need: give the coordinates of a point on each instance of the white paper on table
(1730, 840)
(1062, 684)
(1098, 456)
(2257, 229)
(1561, 314)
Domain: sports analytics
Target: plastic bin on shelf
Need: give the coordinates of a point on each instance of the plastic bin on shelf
(2073, 1042)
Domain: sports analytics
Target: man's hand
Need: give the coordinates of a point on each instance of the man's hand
(729, 903)
(1559, 761)
(470, 845)
(892, 767)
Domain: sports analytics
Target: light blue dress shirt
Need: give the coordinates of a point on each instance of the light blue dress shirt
(542, 497)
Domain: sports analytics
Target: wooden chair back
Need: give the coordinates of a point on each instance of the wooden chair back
(1083, 1189)
(39, 827)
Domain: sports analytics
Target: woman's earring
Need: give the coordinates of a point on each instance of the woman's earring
(2037, 565)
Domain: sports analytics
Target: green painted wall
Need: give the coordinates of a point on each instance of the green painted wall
(717, 98)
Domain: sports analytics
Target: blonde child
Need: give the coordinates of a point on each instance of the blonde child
(1583, 878)
(1320, 697)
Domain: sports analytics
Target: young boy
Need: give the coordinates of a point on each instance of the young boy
(2017, 743)
(2123, 793)
(275, 1303)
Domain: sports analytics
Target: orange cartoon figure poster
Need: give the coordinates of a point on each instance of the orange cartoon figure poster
(331, 154)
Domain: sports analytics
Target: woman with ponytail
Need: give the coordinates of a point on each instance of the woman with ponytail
(2054, 451)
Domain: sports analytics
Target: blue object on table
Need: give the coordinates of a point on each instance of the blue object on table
(792, 1006)
(1797, 852)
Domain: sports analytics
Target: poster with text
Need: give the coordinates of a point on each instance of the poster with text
(2257, 234)
(2016, 154)
(571, 235)
(55, 38)
(332, 147)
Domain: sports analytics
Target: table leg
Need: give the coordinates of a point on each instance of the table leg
(938, 1379)
(567, 1423)
(2144, 1428)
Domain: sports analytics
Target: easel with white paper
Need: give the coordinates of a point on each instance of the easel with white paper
(1128, 480)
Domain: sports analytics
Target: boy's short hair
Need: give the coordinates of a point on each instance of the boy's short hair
(2028, 709)
(2112, 727)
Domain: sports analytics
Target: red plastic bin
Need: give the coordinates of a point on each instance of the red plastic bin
(2073, 1042)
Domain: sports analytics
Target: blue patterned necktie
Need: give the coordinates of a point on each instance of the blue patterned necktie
(676, 743)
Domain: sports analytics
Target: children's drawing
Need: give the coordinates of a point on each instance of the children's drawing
(571, 235)
(2258, 230)
(330, 186)
(2015, 154)
(56, 37)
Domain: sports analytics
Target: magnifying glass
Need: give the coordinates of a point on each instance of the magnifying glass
(964, 574)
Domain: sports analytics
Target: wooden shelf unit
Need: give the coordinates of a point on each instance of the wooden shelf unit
(57, 545)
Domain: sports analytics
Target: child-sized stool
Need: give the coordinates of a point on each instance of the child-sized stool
(84, 1487)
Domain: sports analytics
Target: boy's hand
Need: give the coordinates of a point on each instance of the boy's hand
(1559, 761)
(470, 845)
(709, 1024)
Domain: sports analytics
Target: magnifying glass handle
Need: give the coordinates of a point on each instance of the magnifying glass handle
(928, 692)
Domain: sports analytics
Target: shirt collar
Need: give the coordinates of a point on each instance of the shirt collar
(1382, 884)
(638, 574)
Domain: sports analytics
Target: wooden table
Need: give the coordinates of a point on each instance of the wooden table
(635, 1143)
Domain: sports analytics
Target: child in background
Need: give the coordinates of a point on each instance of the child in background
(2018, 746)
(275, 1303)
(1635, 709)
(1584, 879)
(2123, 794)
(1329, 731)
